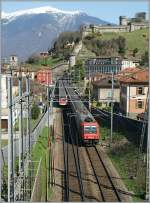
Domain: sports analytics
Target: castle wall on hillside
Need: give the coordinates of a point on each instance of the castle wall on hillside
(125, 25)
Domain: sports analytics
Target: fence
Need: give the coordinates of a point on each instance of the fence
(132, 129)
(37, 190)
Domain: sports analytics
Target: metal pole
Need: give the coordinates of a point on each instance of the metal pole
(20, 126)
(10, 140)
(49, 174)
(148, 137)
(89, 92)
(28, 126)
(29, 113)
(112, 105)
(0, 139)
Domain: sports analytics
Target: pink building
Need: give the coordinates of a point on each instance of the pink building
(44, 76)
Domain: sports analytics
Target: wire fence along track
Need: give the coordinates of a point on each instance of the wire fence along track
(131, 128)
(107, 189)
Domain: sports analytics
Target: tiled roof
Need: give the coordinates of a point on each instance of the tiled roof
(140, 76)
(129, 70)
(106, 83)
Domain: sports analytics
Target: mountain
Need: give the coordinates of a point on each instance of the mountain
(34, 30)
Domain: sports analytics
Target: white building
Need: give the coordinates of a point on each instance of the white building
(4, 102)
(13, 60)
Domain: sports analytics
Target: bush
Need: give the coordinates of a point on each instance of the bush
(33, 59)
(135, 51)
(105, 47)
(35, 111)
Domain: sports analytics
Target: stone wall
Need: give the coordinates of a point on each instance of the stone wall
(86, 30)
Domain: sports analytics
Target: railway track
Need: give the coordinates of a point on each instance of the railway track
(104, 181)
(85, 175)
(73, 188)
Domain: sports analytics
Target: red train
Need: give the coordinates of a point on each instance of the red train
(63, 100)
(88, 127)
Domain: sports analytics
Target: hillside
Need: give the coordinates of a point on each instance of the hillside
(134, 40)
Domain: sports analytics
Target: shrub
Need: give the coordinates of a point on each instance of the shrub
(135, 51)
(35, 111)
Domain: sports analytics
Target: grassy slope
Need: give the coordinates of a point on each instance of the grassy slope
(137, 39)
(4, 143)
(38, 152)
(51, 62)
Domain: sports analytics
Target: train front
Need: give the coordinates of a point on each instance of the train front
(90, 132)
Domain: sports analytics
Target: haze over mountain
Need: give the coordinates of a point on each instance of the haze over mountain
(34, 30)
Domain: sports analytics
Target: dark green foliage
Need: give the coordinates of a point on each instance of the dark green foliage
(105, 47)
(144, 59)
(78, 71)
(35, 111)
(59, 47)
(33, 59)
(135, 51)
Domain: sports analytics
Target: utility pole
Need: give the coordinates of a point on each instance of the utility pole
(28, 113)
(0, 139)
(20, 125)
(112, 106)
(148, 138)
(89, 91)
(28, 126)
(148, 141)
(10, 140)
(49, 139)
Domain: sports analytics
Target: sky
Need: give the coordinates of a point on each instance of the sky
(108, 10)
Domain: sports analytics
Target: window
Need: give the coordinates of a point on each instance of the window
(90, 129)
(140, 104)
(140, 90)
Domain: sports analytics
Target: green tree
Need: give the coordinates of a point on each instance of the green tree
(121, 41)
(144, 59)
(135, 51)
(78, 71)
(35, 111)
(33, 59)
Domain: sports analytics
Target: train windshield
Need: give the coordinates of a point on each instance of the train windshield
(90, 129)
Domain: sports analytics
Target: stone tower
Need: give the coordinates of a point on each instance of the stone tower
(123, 20)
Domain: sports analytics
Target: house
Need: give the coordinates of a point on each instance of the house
(106, 65)
(25, 72)
(99, 76)
(44, 76)
(4, 102)
(13, 59)
(134, 93)
(102, 91)
(44, 54)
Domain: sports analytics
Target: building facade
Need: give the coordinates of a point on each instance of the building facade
(44, 77)
(102, 91)
(106, 65)
(4, 102)
(134, 93)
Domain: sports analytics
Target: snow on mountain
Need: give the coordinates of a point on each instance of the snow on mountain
(40, 10)
(34, 30)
